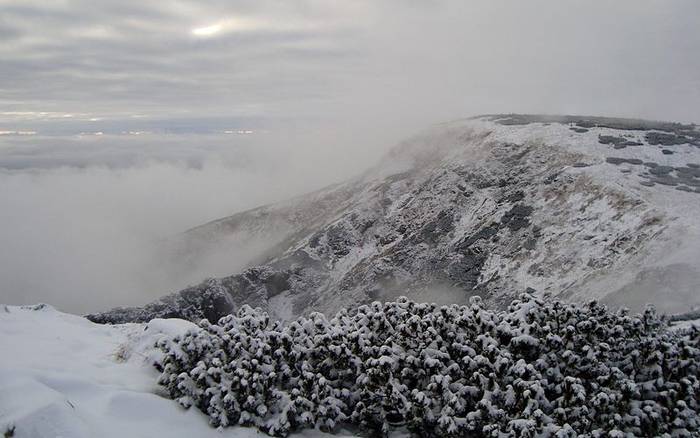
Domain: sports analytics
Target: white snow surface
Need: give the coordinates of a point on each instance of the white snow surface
(64, 376)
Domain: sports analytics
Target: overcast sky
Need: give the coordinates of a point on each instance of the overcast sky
(238, 103)
(385, 62)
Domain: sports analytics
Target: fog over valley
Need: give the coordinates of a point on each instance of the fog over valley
(124, 125)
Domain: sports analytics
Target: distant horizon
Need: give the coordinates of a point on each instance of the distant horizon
(122, 121)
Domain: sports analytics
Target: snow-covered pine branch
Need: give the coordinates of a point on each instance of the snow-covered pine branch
(537, 369)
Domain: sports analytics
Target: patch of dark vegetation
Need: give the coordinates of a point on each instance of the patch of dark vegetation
(689, 171)
(530, 243)
(661, 170)
(617, 161)
(540, 368)
(617, 142)
(664, 180)
(517, 217)
(666, 139)
(588, 122)
(690, 181)
(683, 178)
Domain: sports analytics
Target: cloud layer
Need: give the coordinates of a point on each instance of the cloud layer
(387, 62)
(85, 220)
(323, 86)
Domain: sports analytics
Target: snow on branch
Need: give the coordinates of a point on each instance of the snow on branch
(537, 369)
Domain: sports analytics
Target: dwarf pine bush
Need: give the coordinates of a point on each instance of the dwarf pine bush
(537, 369)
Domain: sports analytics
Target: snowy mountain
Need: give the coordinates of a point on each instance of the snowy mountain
(575, 207)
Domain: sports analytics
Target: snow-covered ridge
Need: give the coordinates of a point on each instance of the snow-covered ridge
(64, 376)
(575, 207)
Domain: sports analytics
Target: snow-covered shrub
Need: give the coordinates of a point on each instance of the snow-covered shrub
(537, 369)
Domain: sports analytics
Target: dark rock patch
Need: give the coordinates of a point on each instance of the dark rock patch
(277, 283)
(210, 300)
(483, 234)
(517, 217)
(579, 130)
(617, 142)
(688, 171)
(514, 197)
(616, 160)
(661, 170)
(647, 183)
(587, 122)
(689, 181)
(666, 151)
(442, 225)
(665, 180)
(339, 240)
(579, 164)
(684, 189)
(551, 178)
(665, 139)
(466, 270)
(530, 243)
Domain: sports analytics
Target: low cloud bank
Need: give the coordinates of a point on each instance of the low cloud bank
(83, 221)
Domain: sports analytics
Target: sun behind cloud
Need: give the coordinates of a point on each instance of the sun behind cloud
(207, 30)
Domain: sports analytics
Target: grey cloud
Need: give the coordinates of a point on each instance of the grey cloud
(334, 83)
(434, 60)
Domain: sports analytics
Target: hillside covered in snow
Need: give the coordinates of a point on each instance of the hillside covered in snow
(64, 376)
(572, 207)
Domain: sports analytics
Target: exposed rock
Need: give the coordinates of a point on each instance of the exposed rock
(617, 160)
(617, 142)
(517, 217)
(665, 139)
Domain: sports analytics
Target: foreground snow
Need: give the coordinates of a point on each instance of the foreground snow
(64, 376)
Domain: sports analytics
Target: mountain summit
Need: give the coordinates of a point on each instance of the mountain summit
(576, 207)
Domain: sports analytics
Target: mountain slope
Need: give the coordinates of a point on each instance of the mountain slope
(576, 207)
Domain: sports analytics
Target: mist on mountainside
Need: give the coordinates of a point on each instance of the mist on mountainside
(123, 125)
